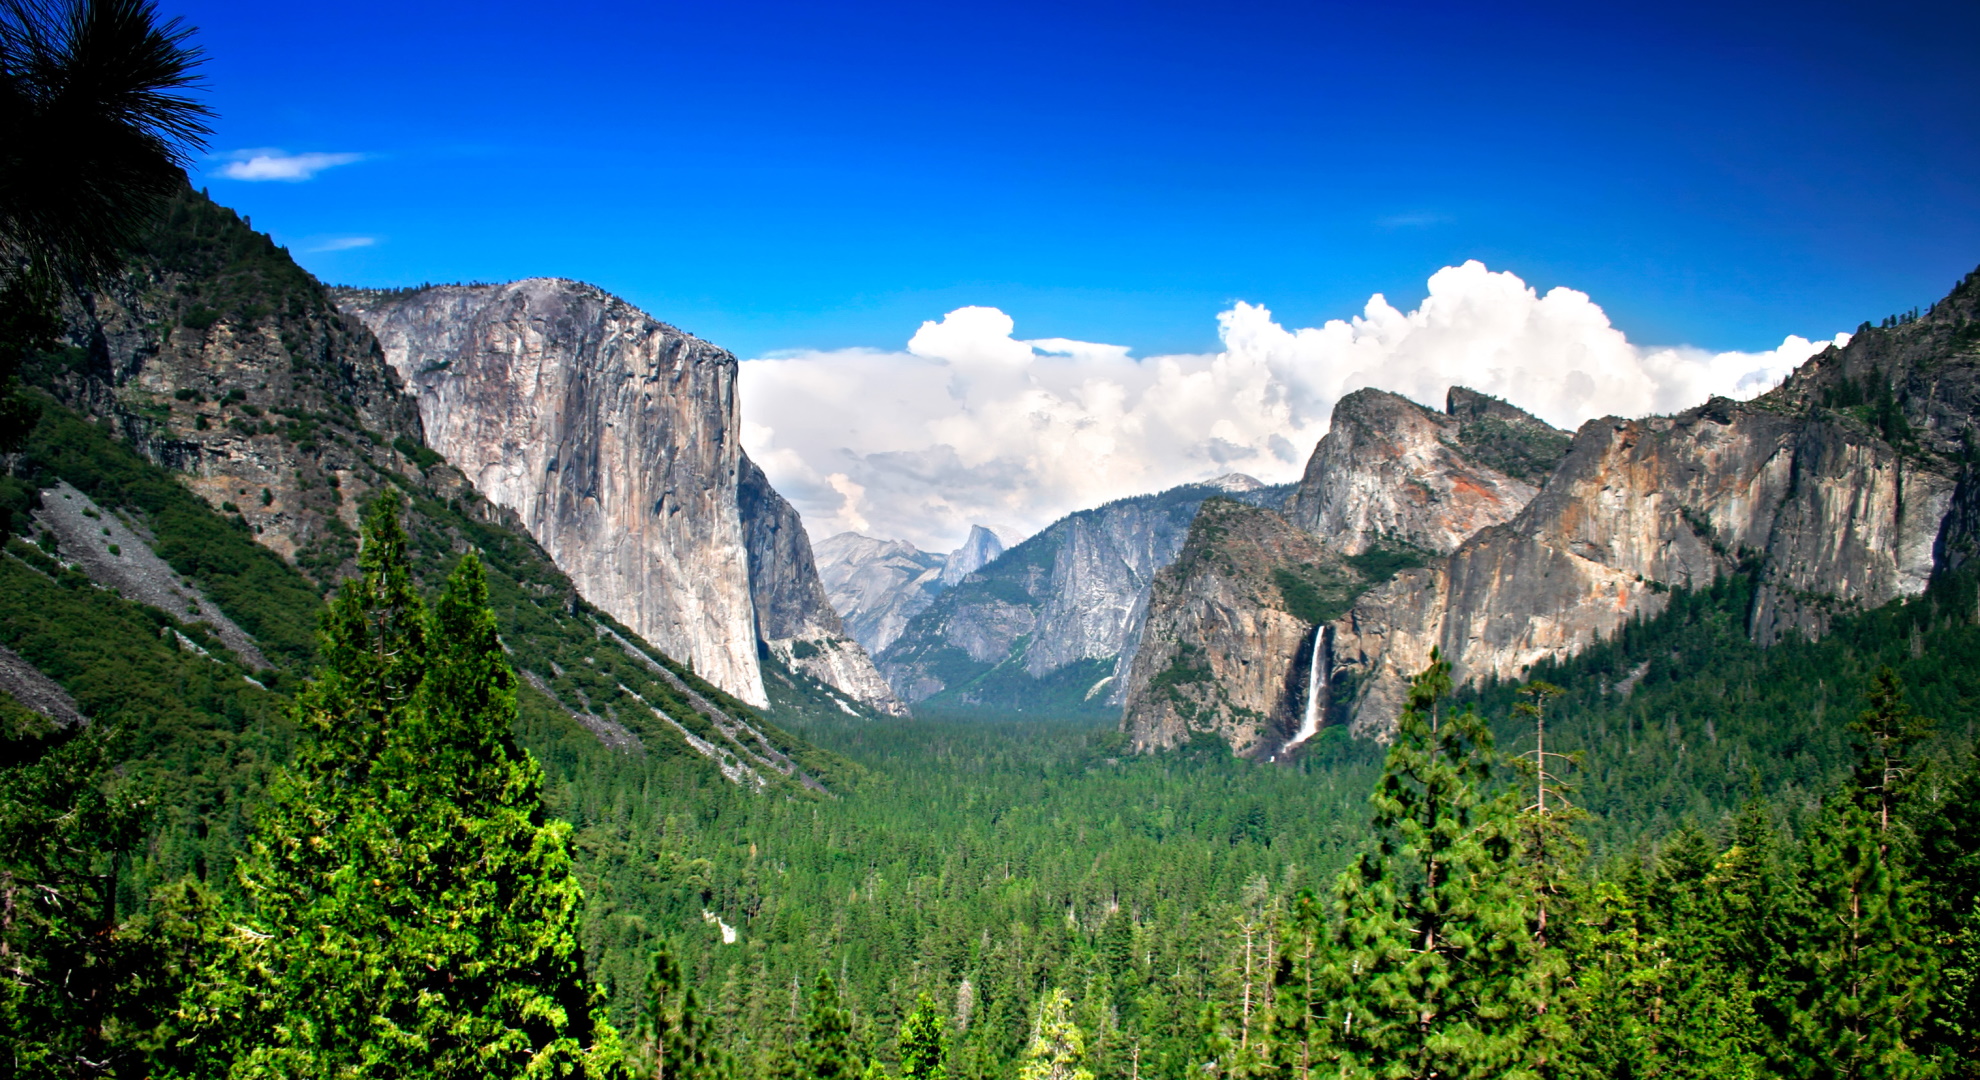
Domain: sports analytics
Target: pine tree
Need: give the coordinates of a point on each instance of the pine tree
(1057, 1050)
(412, 912)
(677, 1040)
(63, 827)
(828, 1052)
(1861, 973)
(924, 1050)
(1949, 858)
(1299, 1024)
(1549, 857)
(1432, 931)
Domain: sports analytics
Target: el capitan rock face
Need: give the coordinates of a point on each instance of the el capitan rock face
(613, 436)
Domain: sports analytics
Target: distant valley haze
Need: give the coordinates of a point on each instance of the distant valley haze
(992, 264)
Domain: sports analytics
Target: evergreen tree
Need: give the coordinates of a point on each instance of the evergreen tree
(923, 1046)
(678, 1041)
(412, 913)
(1057, 1050)
(1861, 973)
(1549, 858)
(1433, 932)
(1949, 859)
(1299, 1027)
(95, 131)
(63, 828)
(828, 1052)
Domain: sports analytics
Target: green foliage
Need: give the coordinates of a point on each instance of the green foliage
(924, 1051)
(1058, 1048)
(1523, 451)
(266, 597)
(674, 1037)
(828, 1052)
(411, 911)
(1432, 935)
(421, 456)
(64, 825)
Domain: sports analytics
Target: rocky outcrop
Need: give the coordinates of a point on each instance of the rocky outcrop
(978, 550)
(30, 688)
(1390, 472)
(217, 357)
(1222, 653)
(1068, 600)
(1828, 518)
(612, 435)
(1844, 489)
(794, 617)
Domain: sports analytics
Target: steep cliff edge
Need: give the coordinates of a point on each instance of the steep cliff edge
(1843, 489)
(877, 585)
(221, 422)
(1391, 472)
(1234, 626)
(612, 435)
(220, 359)
(1222, 651)
(794, 617)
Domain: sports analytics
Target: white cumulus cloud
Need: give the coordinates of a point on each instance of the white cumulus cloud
(270, 164)
(973, 424)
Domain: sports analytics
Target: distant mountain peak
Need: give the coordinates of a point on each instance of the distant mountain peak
(981, 546)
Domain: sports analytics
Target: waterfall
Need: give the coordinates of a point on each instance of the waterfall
(1316, 688)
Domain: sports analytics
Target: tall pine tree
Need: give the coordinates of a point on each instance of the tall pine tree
(411, 911)
(1433, 932)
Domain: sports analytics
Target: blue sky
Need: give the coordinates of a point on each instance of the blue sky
(789, 177)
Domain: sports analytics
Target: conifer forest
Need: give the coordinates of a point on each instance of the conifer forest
(397, 801)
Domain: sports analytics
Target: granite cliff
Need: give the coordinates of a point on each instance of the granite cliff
(1846, 488)
(611, 435)
(614, 438)
(1237, 642)
(234, 376)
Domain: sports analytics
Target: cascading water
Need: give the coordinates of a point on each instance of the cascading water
(1316, 689)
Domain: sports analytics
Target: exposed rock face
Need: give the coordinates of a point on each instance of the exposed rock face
(794, 618)
(1222, 654)
(217, 357)
(1391, 472)
(1644, 506)
(977, 551)
(613, 436)
(876, 586)
(1068, 600)
(26, 684)
(1841, 490)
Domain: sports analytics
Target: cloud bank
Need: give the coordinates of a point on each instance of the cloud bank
(270, 164)
(973, 424)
